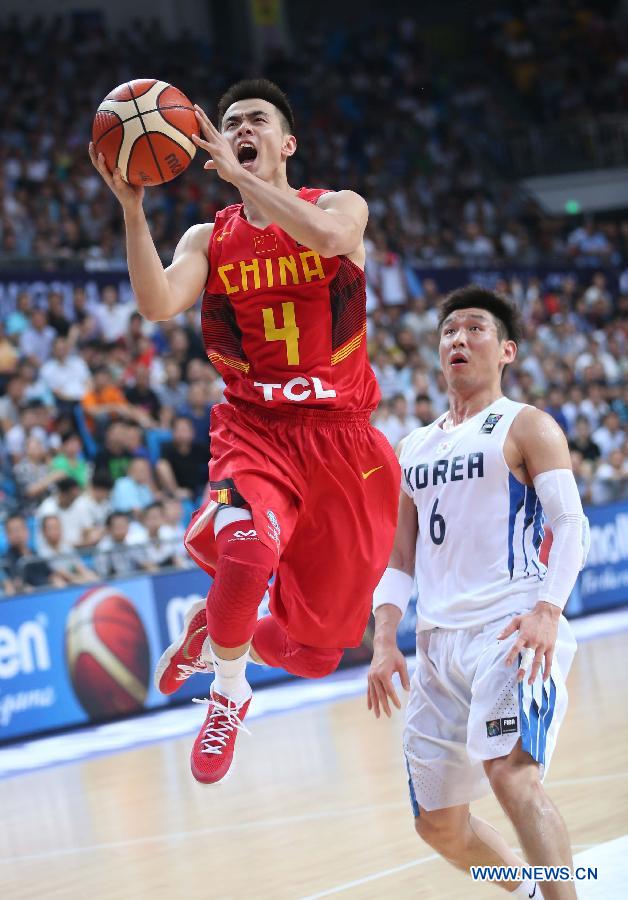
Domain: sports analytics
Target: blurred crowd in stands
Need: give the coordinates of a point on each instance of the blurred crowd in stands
(104, 417)
(376, 109)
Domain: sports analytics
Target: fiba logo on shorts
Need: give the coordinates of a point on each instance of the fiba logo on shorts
(274, 531)
(107, 653)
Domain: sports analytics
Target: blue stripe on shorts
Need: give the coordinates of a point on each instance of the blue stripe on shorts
(415, 805)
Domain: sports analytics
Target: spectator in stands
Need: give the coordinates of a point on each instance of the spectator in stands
(36, 341)
(92, 507)
(69, 460)
(23, 571)
(63, 505)
(172, 392)
(135, 440)
(588, 245)
(583, 442)
(610, 481)
(158, 547)
(112, 317)
(198, 410)
(11, 402)
(19, 320)
(423, 409)
(66, 374)
(610, 435)
(143, 399)
(173, 528)
(115, 554)
(115, 456)
(57, 318)
(553, 405)
(594, 406)
(34, 478)
(31, 424)
(35, 388)
(399, 422)
(182, 468)
(134, 491)
(63, 559)
(583, 473)
(103, 401)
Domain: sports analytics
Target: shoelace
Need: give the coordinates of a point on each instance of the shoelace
(217, 732)
(185, 671)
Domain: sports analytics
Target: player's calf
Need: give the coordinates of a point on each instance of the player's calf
(516, 782)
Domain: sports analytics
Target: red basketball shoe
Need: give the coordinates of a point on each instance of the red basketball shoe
(213, 750)
(186, 655)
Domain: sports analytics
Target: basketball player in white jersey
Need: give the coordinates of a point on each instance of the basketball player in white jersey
(493, 650)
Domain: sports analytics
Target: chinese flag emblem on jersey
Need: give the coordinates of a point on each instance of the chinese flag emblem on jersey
(265, 244)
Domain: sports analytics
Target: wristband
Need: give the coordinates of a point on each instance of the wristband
(395, 587)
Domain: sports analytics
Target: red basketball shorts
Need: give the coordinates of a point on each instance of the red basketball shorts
(323, 488)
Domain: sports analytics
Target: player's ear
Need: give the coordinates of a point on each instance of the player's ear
(288, 146)
(509, 351)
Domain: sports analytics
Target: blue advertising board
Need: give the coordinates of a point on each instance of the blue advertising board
(87, 654)
(603, 583)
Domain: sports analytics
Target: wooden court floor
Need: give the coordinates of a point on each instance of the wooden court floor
(318, 800)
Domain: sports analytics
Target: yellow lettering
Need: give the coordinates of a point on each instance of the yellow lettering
(288, 333)
(289, 263)
(318, 266)
(222, 271)
(269, 271)
(253, 267)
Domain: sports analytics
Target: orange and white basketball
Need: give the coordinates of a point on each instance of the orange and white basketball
(144, 127)
(107, 653)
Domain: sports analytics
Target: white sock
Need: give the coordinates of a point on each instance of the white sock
(527, 889)
(230, 678)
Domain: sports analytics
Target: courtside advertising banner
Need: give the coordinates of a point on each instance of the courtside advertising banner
(87, 654)
(603, 583)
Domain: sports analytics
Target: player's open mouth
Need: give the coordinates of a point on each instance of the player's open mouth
(247, 152)
(458, 360)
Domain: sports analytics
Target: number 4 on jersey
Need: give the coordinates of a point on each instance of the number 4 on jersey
(288, 333)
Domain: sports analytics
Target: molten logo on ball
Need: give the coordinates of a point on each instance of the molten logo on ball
(107, 653)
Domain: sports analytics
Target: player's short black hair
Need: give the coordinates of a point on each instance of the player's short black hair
(262, 88)
(508, 318)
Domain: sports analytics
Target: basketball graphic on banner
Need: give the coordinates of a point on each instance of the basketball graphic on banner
(107, 653)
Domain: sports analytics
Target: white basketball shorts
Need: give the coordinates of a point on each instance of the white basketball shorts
(466, 706)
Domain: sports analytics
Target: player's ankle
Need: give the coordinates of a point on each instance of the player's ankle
(230, 677)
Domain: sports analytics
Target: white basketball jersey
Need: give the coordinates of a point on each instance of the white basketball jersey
(480, 530)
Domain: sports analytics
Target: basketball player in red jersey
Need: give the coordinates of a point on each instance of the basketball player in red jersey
(302, 486)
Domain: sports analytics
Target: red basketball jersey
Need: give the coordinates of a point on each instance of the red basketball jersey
(285, 327)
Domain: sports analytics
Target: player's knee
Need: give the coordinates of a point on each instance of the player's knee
(275, 648)
(512, 782)
(232, 603)
(314, 662)
(443, 832)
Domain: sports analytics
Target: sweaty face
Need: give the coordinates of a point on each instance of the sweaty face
(254, 130)
(471, 352)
